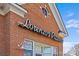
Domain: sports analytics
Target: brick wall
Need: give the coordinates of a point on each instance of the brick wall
(11, 34)
(18, 34)
(2, 41)
(4, 34)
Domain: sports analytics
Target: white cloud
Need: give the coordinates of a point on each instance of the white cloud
(78, 31)
(72, 21)
(73, 24)
(70, 14)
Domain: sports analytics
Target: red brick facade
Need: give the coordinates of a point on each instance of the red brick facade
(11, 34)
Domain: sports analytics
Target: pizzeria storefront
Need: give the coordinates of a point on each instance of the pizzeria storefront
(31, 30)
(32, 48)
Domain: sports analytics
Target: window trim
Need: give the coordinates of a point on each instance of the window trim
(46, 10)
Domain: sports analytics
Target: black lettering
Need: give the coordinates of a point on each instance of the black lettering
(40, 31)
(45, 33)
(29, 26)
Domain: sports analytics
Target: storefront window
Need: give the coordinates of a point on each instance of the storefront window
(50, 51)
(31, 48)
(47, 51)
(28, 52)
(28, 48)
(37, 49)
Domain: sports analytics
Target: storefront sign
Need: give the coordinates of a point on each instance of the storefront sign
(29, 26)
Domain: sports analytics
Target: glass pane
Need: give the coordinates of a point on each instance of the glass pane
(38, 49)
(50, 51)
(28, 48)
(28, 52)
(27, 45)
(47, 50)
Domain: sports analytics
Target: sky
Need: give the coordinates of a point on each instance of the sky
(70, 16)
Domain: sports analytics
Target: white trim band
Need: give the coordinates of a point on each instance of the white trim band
(14, 8)
(58, 18)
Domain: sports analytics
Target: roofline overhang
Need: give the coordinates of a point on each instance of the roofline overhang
(58, 18)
